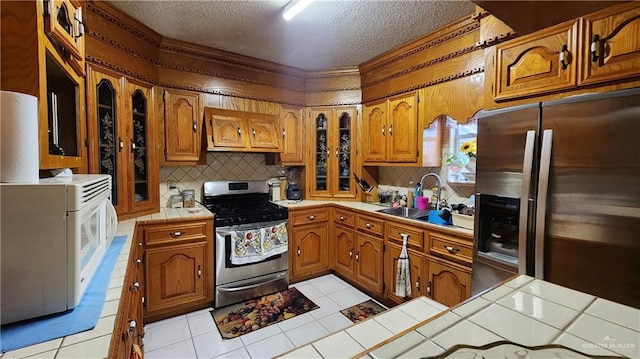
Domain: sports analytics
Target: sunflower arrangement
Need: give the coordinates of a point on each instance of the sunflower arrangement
(469, 148)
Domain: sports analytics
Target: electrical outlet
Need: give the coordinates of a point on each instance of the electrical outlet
(171, 184)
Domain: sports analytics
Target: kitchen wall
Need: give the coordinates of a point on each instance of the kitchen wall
(221, 166)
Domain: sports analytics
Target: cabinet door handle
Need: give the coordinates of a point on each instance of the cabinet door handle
(358, 257)
(133, 146)
(391, 130)
(342, 218)
(195, 127)
(120, 144)
(350, 253)
(383, 131)
(594, 48)
(429, 289)
(311, 218)
(135, 286)
(239, 132)
(284, 133)
(199, 272)
(450, 249)
(176, 234)
(369, 225)
(418, 285)
(298, 251)
(253, 132)
(337, 152)
(564, 54)
(138, 261)
(132, 325)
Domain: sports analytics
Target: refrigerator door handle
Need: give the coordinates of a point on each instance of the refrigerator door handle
(541, 203)
(527, 167)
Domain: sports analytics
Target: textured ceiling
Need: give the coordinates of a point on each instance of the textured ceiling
(326, 35)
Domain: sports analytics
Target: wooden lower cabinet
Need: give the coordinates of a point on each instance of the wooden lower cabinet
(178, 259)
(343, 241)
(310, 250)
(128, 330)
(448, 283)
(416, 265)
(369, 263)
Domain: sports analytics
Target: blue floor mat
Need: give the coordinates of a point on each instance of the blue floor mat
(84, 317)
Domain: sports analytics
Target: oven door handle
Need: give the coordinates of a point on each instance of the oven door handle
(251, 286)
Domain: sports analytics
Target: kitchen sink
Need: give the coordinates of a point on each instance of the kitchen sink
(406, 212)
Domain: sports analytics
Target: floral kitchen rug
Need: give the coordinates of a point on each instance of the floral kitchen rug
(251, 315)
(362, 311)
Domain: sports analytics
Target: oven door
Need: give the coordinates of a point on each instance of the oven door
(238, 282)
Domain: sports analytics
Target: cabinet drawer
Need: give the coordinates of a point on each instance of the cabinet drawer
(175, 232)
(371, 225)
(309, 216)
(415, 240)
(452, 248)
(344, 218)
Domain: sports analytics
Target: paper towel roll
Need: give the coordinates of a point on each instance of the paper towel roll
(19, 136)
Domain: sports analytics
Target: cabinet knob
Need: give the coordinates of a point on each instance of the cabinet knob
(284, 133)
(350, 253)
(253, 132)
(199, 271)
(239, 132)
(311, 217)
(369, 225)
(195, 127)
(450, 249)
(135, 286)
(139, 244)
(132, 324)
(391, 130)
(594, 48)
(176, 234)
(342, 218)
(138, 261)
(337, 153)
(298, 251)
(358, 257)
(564, 53)
(120, 144)
(418, 285)
(429, 289)
(383, 131)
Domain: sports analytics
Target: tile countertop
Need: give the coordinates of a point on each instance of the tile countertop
(524, 310)
(373, 208)
(94, 343)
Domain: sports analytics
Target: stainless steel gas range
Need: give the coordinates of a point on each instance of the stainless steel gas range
(251, 247)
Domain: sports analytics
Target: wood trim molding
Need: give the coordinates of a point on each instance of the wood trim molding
(422, 66)
(334, 103)
(458, 75)
(471, 25)
(127, 49)
(120, 70)
(105, 11)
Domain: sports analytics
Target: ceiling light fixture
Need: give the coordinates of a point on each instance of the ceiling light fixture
(294, 7)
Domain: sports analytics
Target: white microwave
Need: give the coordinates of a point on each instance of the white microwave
(53, 236)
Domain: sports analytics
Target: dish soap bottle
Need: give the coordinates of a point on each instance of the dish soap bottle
(410, 198)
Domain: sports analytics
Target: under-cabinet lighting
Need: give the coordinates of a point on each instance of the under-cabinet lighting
(294, 7)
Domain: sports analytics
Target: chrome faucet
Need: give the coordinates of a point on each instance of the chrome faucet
(438, 183)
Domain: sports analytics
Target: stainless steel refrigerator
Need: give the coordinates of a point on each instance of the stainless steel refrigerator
(558, 194)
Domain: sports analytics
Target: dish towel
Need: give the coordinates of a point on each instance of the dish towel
(258, 244)
(403, 277)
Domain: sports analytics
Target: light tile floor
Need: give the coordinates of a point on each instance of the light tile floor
(195, 335)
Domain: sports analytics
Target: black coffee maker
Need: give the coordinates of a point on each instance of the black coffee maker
(293, 189)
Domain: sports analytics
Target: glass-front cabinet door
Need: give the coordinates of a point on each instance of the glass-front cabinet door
(332, 137)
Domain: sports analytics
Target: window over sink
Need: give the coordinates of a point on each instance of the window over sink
(461, 157)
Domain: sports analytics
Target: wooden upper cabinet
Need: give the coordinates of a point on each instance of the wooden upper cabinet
(291, 119)
(183, 125)
(374, 128)
(538, 63)
(63, 24)
(230, 130)
(263, 132)
(391, 130)
(403, 129)
(614, 34)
